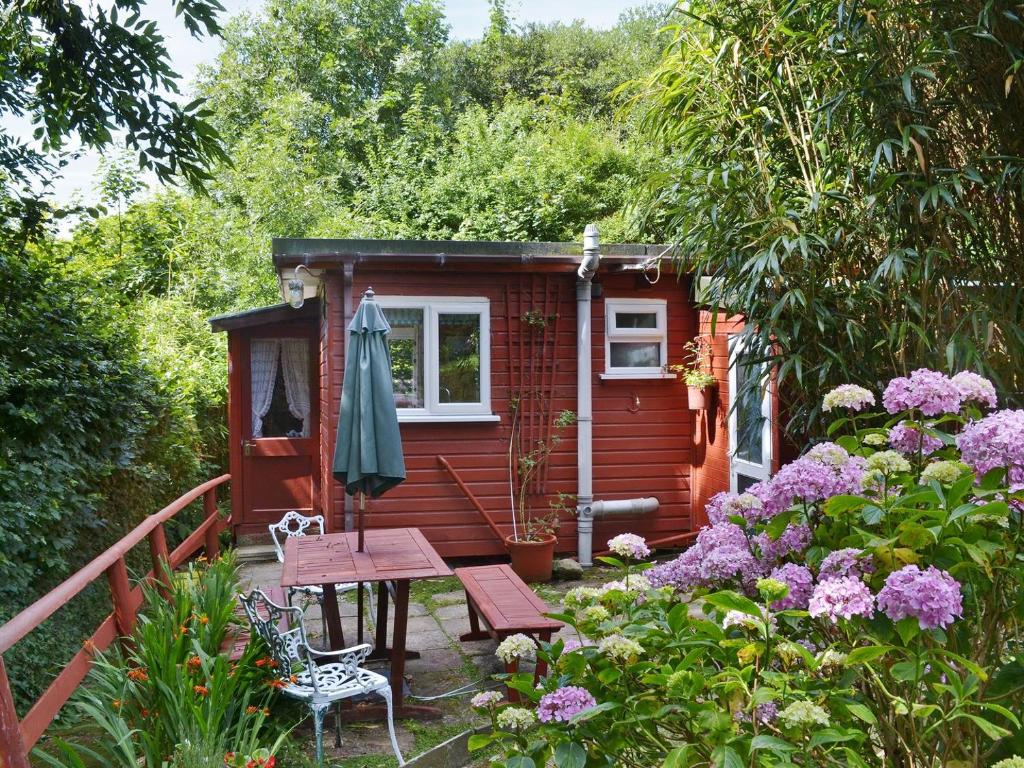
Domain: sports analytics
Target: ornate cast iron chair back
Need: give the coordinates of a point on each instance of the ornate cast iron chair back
(293, 524)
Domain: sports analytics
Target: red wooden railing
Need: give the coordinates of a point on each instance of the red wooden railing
(17, 737)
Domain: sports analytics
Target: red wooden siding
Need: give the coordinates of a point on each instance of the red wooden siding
(638, 451)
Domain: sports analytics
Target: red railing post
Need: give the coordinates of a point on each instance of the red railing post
(121, 594)
(12, 747)
(161, 557)
(212, 532)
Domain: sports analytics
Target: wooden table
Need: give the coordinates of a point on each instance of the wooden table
(396, 555)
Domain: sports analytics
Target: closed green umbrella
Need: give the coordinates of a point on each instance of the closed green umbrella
(368, 454)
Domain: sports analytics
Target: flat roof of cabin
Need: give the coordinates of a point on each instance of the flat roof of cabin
(288, 251)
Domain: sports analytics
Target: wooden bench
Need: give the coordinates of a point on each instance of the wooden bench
(505, 605)
(238, 636)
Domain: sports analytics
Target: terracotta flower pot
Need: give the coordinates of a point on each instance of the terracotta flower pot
(531, 560)
(699, 398)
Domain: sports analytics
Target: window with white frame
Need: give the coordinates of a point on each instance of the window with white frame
(635, 338)
(440, 357)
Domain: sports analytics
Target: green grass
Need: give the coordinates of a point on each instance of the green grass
(423, 590)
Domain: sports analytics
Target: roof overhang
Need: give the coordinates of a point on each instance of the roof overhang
(252, 318)
(324, 252)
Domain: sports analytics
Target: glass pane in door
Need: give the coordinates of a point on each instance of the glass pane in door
(406, 346)
(749, 415)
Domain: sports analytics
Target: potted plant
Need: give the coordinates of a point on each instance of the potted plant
(699, 381)
(532, 544)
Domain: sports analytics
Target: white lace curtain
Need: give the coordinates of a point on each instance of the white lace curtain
(295, 369)
(263, 356)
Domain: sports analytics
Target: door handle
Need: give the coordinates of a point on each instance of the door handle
(247, 446)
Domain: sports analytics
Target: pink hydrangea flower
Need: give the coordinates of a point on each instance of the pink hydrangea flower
(720, 553)
(841, 598)
(932, 596)
(845, 562)
(794, 540)
(909, 440)
(824, 471)
(800, 582)
(564, 704)
(930, 392)
(975, 388)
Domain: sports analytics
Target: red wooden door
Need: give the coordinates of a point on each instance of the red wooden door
(280, 426)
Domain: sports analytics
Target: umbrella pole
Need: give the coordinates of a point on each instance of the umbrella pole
(359, 524)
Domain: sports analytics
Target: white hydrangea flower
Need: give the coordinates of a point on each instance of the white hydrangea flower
(629, 546)
(486, 700)
(514, 647)
(515, 719)
(831, 661)
(801, 714)
(876, 439)
(577, 597)
(888, 462)
(944, 472)
(595, 613)
(848, 396)
(619, 648)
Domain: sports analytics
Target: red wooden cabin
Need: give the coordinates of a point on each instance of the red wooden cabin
(487, 335)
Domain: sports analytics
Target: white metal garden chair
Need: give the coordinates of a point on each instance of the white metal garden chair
(292, 525)
(308, 674)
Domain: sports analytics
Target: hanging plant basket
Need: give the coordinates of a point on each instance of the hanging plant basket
(700, 398)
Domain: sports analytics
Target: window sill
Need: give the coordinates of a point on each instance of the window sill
(658, 376)
(448, 418)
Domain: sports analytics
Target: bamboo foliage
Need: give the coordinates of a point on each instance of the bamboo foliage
(849, 174)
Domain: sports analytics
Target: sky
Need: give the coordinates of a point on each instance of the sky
(467, 19)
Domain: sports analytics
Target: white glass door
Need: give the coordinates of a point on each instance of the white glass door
(750, 444)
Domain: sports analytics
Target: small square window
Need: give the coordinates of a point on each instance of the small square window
(636, 338)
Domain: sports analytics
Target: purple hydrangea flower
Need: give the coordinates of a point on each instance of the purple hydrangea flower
(562, 705)
(928, 391)
(844, 563)
(824, 471)
(841, 598)
(794, 540)
(975, 388)
(800, 582)
(995, 441)
(932, 596)
(725, 505)
(909, 440)
(720, 553)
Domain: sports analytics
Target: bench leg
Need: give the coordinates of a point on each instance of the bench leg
(511, 693)
(475, 633)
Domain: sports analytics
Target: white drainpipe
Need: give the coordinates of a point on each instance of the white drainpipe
(586, 508)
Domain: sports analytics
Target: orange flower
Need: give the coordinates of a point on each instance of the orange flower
(251, 710)
(266, 711)
(228, 757)
(138, 675)
(200, 690)
(145, 712)
(275, 683)
(194, 663)
(204, 619)
(116, 703)
(89, 646)
(183, 630)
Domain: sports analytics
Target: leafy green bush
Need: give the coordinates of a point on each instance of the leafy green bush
(862, 607)
(174, 692)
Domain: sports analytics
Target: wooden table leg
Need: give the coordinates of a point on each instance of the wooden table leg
(398, 643)
(332, 615)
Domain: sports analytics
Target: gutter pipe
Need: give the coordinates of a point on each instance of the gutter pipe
(586, 508)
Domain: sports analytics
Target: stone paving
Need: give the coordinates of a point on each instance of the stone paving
(437, 616)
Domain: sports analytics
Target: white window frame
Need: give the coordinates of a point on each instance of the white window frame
(434, 306)
(737, 348)
(659, 307)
